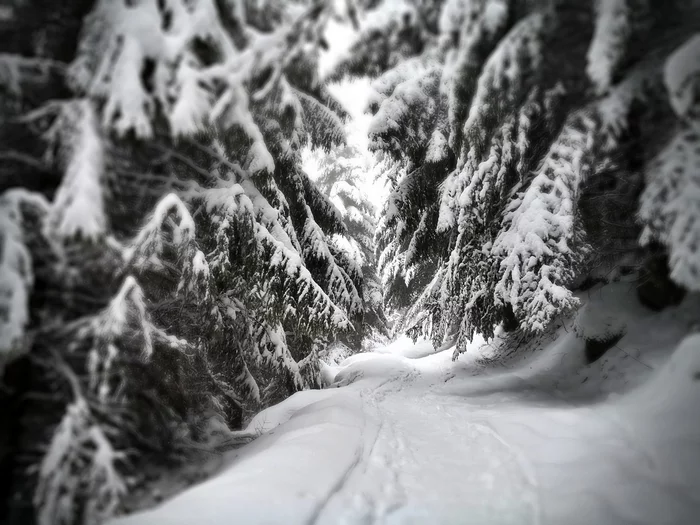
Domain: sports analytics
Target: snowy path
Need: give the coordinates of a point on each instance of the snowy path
(430, 460)
(409, 437)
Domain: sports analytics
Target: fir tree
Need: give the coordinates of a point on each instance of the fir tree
(177, 267)
(341, 175)
(520, 134)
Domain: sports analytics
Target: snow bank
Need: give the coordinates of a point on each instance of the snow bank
(262, 482)
(280, 413)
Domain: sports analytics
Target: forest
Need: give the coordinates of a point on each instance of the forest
(190, 237)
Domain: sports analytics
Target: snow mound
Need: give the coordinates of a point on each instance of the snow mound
(262, 483)
(373, 367)
(675, 387)
(598, 324)
(275, 415)
(405, 347)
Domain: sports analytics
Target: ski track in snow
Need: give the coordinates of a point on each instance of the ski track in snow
(423, 443)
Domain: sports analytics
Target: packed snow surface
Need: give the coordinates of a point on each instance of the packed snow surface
(508, 434)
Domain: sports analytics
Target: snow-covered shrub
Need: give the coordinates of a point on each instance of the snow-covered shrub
(336, 354)
(80, 460)
(131, 390)
(600, 328)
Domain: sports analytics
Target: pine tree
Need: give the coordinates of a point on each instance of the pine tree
(520, 135)
(341, 175)
(177, 267)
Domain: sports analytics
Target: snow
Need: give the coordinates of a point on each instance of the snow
(607, 48)
(681, 75)
(598, 323)
(670, 206)
(404, 435)
(16, 274)
(303, 438)
(78, 207)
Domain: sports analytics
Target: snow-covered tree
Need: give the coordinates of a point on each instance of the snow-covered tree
(168, 261)
(390, 32)
(342, 175)
(17, 276)
(520, 134)
(670, 205)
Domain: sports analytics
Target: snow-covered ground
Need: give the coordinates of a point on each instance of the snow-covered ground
(520, 435)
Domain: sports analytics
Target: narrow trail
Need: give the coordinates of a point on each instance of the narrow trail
(430, 461)
(371, 437)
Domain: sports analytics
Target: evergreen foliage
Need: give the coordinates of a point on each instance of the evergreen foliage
(526, 136)
(167, 266)
(342, 174)
(389, 33)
